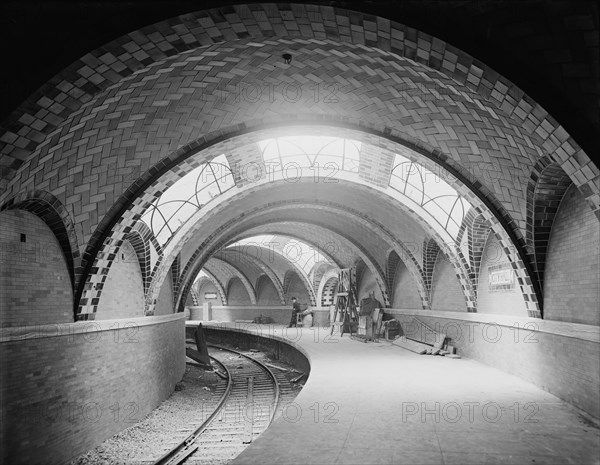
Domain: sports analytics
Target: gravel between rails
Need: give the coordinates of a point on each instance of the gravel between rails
(162, 428)
(146, 441)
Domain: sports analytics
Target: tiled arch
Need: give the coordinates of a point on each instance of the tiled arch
(142, 251)
(339, 235)
(50, 210)
(392, 261)
(115, 61)
(327, 288)
(237, 273)
(212, 279)
(317, 274)
(478, 231)
(431, 249)
(196, 263)
(74, 94)
(309, 289)
(194, 297)
(545, 191)
(268, 272)
(205, 249)
(262, 281)
(193, 148)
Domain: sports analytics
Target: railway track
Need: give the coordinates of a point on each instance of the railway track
(249, 400)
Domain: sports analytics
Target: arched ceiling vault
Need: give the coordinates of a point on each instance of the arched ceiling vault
(216, 282)
(265, 268)
(227, 271)
(127, 120)
(359, 229)
(349, 239)
(207, 278)
(324, 239)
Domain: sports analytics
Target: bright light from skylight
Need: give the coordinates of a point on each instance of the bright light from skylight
(186, 196)
(430, 191)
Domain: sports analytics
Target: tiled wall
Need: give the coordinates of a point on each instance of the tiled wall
(507, 301)
(164, 304)
(280, 315)
(237, 293)
(572, 277)
(266, 292)
(35, 287)
(63, 395)
(405, 294)
(123, 291)
(446, 293)
(561, 364)
(208, 287)
(296, 288)
(368, 285)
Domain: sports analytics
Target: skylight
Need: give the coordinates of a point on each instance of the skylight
(309, 151)
(431, 192)
(186, 196)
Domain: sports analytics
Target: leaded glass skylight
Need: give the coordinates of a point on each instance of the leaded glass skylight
(431, 192)
(186, 196)
(309, 151)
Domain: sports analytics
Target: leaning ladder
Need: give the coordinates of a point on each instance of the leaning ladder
(345, 304)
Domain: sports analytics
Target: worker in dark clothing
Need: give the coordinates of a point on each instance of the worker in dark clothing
(295, 311)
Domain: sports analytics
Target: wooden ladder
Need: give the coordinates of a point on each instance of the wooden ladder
(345, 305)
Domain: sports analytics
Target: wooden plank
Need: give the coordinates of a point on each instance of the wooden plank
(411, 345)
(429, 336)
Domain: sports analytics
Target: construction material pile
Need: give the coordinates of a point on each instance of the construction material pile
(424, 340)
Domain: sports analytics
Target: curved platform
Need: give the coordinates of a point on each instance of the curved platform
(377, 403)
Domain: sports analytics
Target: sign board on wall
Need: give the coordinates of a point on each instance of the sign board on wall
(210, 295)
(501, 277)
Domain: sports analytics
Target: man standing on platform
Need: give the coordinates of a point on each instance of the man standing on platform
(295, 311)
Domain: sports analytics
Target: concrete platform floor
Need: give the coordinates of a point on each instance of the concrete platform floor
(375, 403)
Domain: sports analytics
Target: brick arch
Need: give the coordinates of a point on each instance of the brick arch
(546, 188)
(52, 212)
(352, 242)
(328, 291)
(101, 239)
(431, 249)
(115, 61)
(147, 238)
(241, 276)
(296, 236)
(360, 250)
(359, 269)
(304, 280)
(265, 280)
(267, 271)
(142, 252)
(175, 271)
(285, 259)
(92, 75)
(391, 265)
(410, 261)
(194, 296)
(365, 255)
(318, 271)
(215, 282)
(478, 231)
(234, 280)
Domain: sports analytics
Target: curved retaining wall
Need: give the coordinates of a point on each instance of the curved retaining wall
(67, 387)
(561, 358)
(246, 313)
(247, 336)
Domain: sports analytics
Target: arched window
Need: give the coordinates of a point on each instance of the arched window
(186, 196)
(429, 191)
